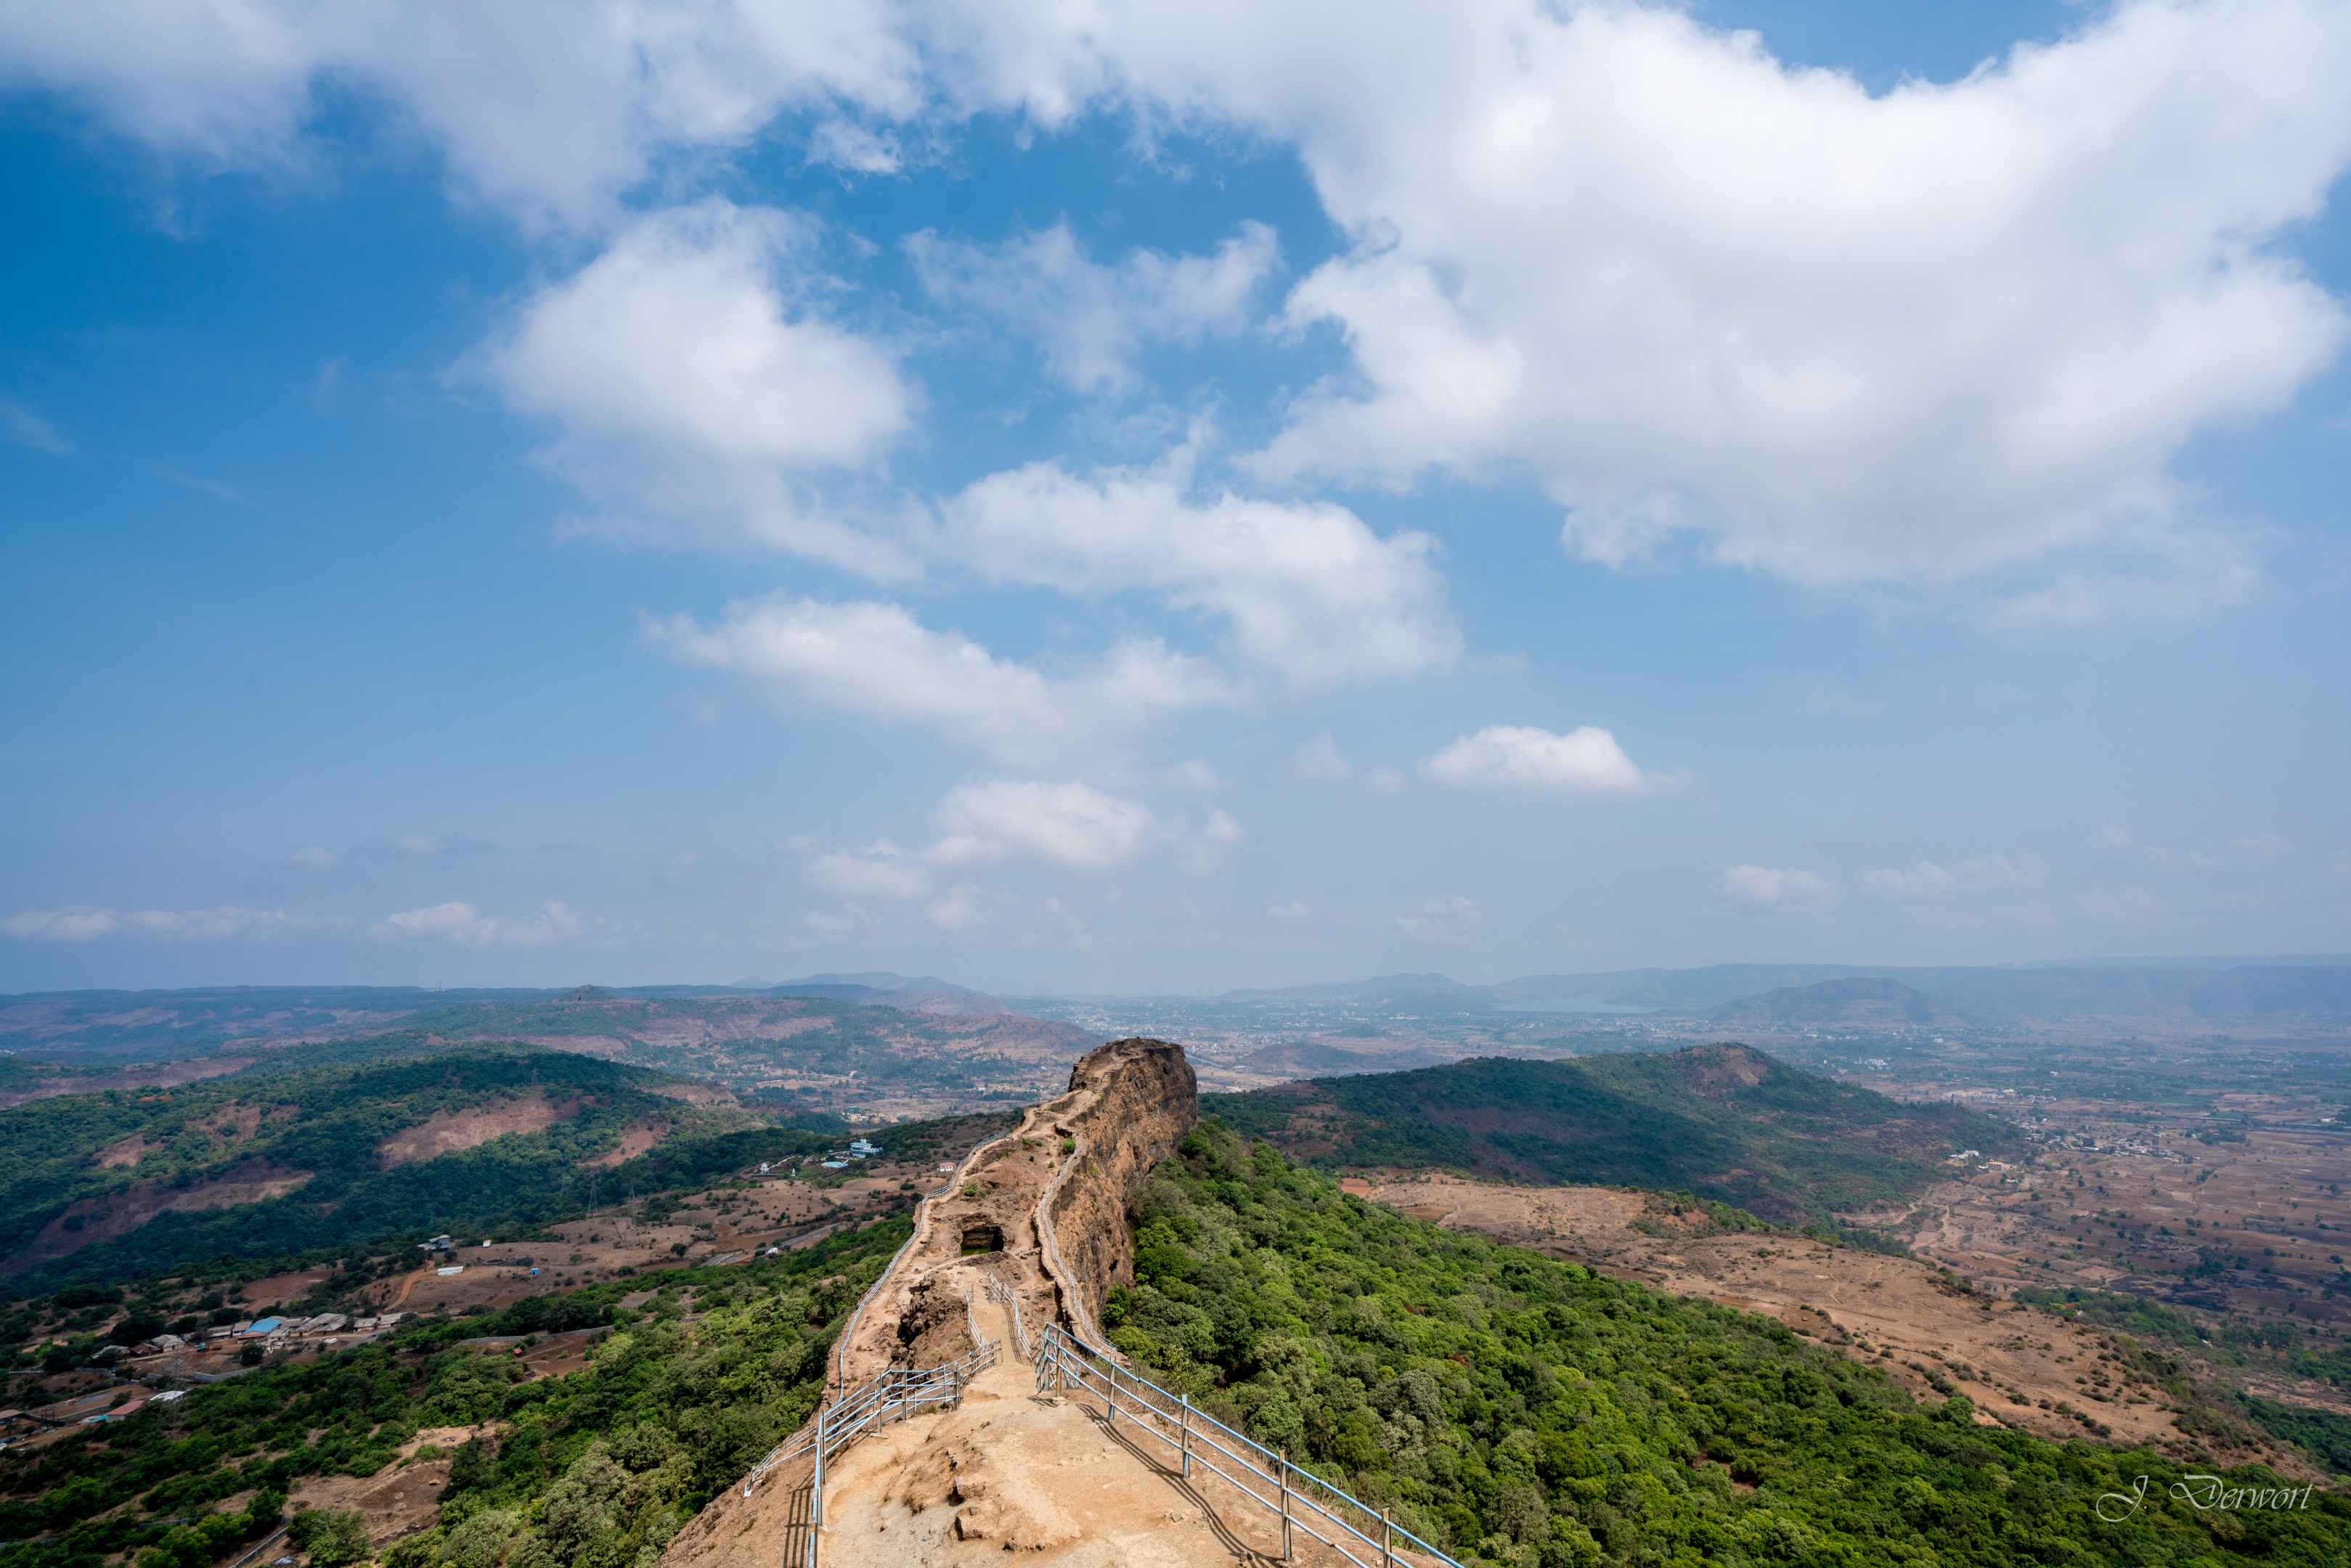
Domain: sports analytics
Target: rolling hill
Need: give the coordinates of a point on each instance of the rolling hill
(1724, 1122)
(122, 1185)
(824, 1047)
(1854, 1002)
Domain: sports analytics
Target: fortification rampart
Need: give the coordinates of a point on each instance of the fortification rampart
(1128, 1105)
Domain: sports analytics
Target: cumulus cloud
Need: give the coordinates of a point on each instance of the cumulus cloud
(1091, 321)
(469, 927)
(1521, 757)
(1768, 887)
(875, 659)
(74, 923)
(542, 110)
(1070, 824)
(86, 922)
(694, 390)
(1443, 922)
(960, 909)
(1318, 760)
(1929, 880)
(880, 871)
(1213, 844)
(1310, 593)
(1836, 335)
(1944, 330)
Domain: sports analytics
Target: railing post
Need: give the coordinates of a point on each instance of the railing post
(1113, 1396)
(816, 1494)
(1387, 1538)
(1282, 1471)
(1183, 1424)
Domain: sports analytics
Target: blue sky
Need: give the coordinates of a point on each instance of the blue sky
(1102, 499)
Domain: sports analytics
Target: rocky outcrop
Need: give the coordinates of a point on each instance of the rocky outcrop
(1039, 1214)
(1128, 1105)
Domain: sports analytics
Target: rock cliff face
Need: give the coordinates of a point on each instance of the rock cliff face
(1022, 1235)
(1128, 1105)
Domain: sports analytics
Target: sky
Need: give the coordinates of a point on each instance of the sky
(1111, 497)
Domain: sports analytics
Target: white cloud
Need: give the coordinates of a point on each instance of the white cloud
(215, 924)
(1935, 331)
(315, 858)
(1445, 921)
(960, 909)
(2114, 836)
(1070, 824)
(1091, 320)
(86, 922)
(874, 659)
(1312, 594)
(74, 923)
(1524, 757)
(881, 871)
(1770, 887)
(1213, 844)
(1296, 909)
(694, 392)
(850, 917)
(1836, 336)
(1929, 880)
(469, 927)
(420, 843)
(541, 110)
(1318, 760)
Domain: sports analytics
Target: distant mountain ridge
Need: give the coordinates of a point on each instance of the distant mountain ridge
(1725, 1121)
(1860, 1001)
(2206, 988)
(96, 1026)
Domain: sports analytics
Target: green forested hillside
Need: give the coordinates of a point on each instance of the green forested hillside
(1522, 1412)
(588, 1469)
(1725, 1121)
(1534, 1413)
(232, 1135)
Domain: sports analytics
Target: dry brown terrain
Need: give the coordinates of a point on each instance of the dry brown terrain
(118, 1214)
(447, 1132)
(1899, 1314)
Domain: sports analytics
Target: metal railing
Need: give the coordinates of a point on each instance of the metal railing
(998, 1291)
(1065, 1363)
(888, 1396)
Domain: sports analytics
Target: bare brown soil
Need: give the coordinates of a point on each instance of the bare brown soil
(398, 1500)
(448, 1132)
(1899, 1314)
(166, 1075)
(636, 1138)
(118, 1214)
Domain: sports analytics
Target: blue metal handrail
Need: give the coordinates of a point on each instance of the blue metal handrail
(1063, 1362)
